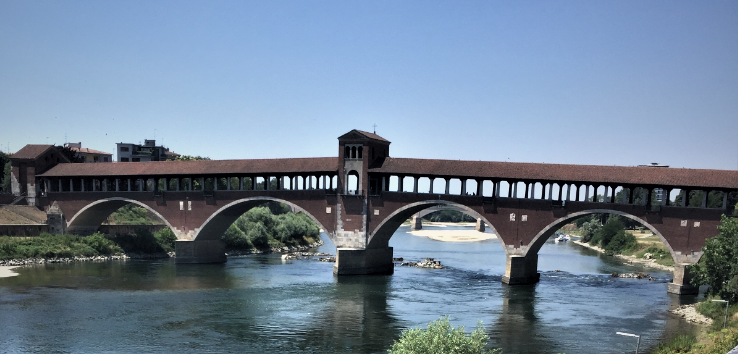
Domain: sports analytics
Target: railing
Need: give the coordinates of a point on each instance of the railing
(208, 193)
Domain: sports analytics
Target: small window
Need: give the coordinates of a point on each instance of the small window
(123, 159)
(136, 159)
(124, 148)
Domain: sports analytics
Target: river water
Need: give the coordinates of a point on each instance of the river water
(261, 304)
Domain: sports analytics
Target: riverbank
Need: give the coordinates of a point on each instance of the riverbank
(454, 235)
(628, 259)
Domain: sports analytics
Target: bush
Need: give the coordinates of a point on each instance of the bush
(680, 344)
(621, 242)
(141, 241)
(717, 267)
(102, 245)
(166, 239)
(260, 227)
(440, 337)
(234, 238)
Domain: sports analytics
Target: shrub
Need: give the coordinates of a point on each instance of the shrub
(234, 238)
(717, 267)
(166, 239)
(440, 337)
(101, 245)
(679, 344)
(621, 242)
(142, 240)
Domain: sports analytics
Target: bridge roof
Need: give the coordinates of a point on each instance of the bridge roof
(194, 168)
(656, 176)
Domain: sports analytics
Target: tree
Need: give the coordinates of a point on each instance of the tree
(440, 337)
(5, 186)
(71, 155)
(717, 267)
(189, 158)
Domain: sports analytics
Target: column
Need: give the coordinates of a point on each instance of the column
(550, 190)
(448, 180)
(568, 191)
(82, 184)
(527, 185)
(480, 188)
(515, 190)
(704, 198)
(463, 185)
(625, 196)
(415, 184)
(71, 185)
(240, 183)
(189, 183)
(129, 185)
(725, 200)
(399, 183)
(384, 186)
(586, 192)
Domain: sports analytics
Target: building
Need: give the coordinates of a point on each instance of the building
(88, 154)
(143, 153)
(26, 164)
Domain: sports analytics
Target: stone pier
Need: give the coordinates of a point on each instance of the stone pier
(417, 223)
(480, 225)
(521, 270)
(352, 261)
(200, 252)
(681, 284)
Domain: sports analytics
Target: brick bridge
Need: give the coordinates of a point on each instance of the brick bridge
(362, 196)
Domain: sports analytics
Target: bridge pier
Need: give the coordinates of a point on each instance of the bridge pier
(521, 270)
(681, 285)
(417, 223)
(480, 225)
(200, 252)
(352, 261)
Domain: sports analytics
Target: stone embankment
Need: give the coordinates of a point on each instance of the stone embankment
(292, 249)
(41, 260)
(689, 313)
(426, 263)
(32, 261)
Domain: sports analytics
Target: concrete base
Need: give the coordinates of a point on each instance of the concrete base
(521, 270)
(682, 289)
(200, 252)
(351, 261)
(681, 285)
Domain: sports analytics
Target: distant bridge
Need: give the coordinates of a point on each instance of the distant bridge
(363, 195)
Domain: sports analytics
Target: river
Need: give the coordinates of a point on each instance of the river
(261, 304)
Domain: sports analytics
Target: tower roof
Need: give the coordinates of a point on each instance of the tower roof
(356, 134)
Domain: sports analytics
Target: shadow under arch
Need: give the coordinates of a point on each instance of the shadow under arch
(383, 232)
(549, 230)
(217, 224)
(88, 219)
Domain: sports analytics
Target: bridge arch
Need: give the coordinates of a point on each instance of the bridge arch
(217, 224)
(88, 219)
(381, 235)
(540, 239)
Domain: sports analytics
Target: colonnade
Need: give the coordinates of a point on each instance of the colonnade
(558, 192)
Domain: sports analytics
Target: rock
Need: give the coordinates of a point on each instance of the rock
(647, 256)
(689, 313)
(398, 259)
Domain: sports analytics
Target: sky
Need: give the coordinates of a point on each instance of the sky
(580, 82)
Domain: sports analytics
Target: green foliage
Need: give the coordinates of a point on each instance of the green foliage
(6, 178)
(621, 242)
(189, 158)
(102, 245)
(440, 337)
(717, 267)
(131, 214)
(72, 155)
(270, 225)
(680, 344)
(449, 216)
(608, 232)
(590, 228)
(141, 241)
(55, 246)
(166, 238)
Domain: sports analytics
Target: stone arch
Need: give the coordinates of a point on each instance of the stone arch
(540, 239)
(88, 219)
(356, 187)
(217, 224)
(381, 234)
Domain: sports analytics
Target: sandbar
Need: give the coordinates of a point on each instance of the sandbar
(7, 271)
(454, 235)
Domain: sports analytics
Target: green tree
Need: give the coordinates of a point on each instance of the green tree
(718, 267)
(189, 158)
(72, 155)
(440, 337)
(608, 231)
(6, 178)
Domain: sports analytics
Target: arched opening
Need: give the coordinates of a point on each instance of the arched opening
(353, 152)
(423, 185)
(557, 225)
(439, 186)
(229, 225)
(89, 219)
(352, 183)
(360, 152)
(347, 152)
(383, 232)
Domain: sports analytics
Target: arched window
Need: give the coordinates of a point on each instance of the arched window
(347, 153)
(353, 152)
(361, 149)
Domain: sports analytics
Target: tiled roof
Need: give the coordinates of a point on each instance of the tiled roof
(31, 151)
(90, 151)
(372, 135)
(200, 167)
(656, 176)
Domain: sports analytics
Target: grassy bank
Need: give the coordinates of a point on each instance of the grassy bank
(715, 340)
(67, 246)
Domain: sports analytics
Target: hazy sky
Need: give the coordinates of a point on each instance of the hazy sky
(589, 82)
